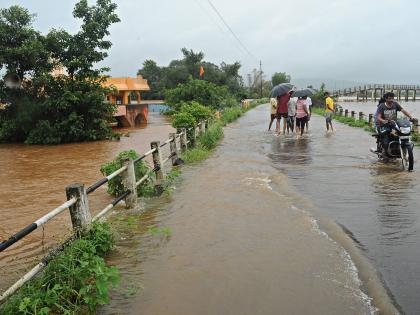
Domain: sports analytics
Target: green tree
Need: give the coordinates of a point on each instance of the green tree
(58, 109)
(280, 77)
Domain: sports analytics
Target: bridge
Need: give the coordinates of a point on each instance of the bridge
(375, 91)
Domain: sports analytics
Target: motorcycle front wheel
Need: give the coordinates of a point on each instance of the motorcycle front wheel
(407, 158)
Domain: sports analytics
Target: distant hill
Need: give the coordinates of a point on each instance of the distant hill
(331, 84)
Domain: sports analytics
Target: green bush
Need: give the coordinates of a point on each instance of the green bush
(115, 185)
(183, 120)
(209, 139)
(74, 282)
(198, 111)
(231, 114)
(201, 91)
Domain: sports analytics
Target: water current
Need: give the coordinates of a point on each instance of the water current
(272, 225)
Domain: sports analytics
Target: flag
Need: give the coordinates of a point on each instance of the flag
(201, 71)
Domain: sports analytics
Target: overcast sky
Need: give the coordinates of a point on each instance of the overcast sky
(373, 41)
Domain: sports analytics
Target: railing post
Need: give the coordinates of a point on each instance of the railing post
(158, 166)
(194, 136)
(183, 139)
(415, 125)
(129, 182)
(346, 113)
(206, 124)
(79, 212)
(361, 116)
(173, 148)
(371, 120)
(340, 112)
(353, 114)
(202, 127)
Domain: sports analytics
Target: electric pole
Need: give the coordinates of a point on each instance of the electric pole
(261, 81)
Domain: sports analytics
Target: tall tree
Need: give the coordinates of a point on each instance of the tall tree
(280, 77)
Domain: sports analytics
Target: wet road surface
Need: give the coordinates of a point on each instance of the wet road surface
(245, 236)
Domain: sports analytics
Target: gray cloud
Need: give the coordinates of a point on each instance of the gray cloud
(366, 41)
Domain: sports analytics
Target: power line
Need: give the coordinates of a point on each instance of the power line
(231, 31)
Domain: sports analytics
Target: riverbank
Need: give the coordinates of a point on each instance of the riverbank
(242, 242)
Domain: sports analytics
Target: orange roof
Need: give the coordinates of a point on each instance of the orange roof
(128, 84)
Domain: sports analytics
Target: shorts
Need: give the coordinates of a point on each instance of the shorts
(328, 116)
(291, 120)
(280, 115)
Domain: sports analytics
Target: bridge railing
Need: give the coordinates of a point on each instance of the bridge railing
(369, 118)
(77, 195)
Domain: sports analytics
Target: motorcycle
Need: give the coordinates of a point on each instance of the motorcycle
(399, 146)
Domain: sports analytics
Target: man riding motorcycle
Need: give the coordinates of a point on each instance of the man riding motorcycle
(387, 113)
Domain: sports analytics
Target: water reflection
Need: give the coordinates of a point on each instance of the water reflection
(394, 207)
(291, 151)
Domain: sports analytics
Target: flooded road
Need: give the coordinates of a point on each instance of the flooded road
(248, 231)
(33, 181)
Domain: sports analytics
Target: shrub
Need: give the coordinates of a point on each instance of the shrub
(198, 111)
(231, 114)
(115, 185)
(183, 120)
(209, 139)
(74, 282)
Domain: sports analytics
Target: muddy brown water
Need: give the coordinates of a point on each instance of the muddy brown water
(33, 181)
(276, 225)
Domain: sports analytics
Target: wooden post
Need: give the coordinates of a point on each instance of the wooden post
(406, 95)
(361, 116)
(79, 212)
(340, 112)
(129, 182)
(346, 113)
(183, 139)
(414, 94)
(374, 94)
(173, 148)
(357, 97)
(415, 125)
(371, 120)
(158, 166)
(353, 114)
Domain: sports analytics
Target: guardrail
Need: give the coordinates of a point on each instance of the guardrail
(77, 195)
(369, 118)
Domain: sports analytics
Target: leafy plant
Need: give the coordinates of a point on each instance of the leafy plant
(74, 282)
(115, 185)
(183, 120)
(198, 111)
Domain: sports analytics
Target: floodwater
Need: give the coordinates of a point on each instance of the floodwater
(33, 181)
(275, 225)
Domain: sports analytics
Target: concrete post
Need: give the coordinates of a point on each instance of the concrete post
(361, 116)
(158, 166)
(194, 136)
(202, 127)
(183, 139)
(129, 182)
(353, 114)
(340, 112)
(357, 97)
(371, 120)
(173, 148)
(406, 95)
(414, 94)
(415, 125)
(346, 113)
(79, 212)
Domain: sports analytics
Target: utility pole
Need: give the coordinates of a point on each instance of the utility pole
(261, 81)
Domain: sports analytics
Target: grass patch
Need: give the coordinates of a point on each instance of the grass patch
(346, 120)
(74, 282)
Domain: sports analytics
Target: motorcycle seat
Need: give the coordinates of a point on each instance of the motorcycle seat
(375, 135)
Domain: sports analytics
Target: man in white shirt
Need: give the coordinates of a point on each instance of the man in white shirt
(309, 106)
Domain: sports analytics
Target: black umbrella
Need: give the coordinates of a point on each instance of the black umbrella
(281, 89)
(304, 92)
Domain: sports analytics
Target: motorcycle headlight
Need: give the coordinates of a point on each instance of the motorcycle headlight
(405, 130)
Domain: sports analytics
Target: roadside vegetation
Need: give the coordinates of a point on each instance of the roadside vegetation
(347, 120)
(76, 281)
